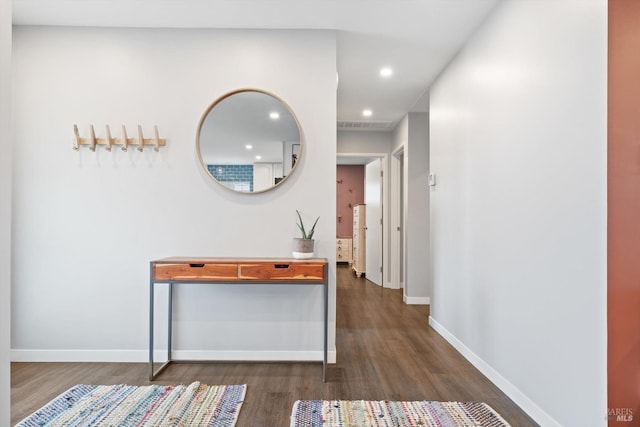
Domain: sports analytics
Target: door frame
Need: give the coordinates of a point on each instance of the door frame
(397, 177)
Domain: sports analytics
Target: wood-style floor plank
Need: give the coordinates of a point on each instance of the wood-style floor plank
(386, 351)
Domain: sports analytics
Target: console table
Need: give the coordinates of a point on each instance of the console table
(264, 271)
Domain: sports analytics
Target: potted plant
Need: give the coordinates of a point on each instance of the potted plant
(303, 247)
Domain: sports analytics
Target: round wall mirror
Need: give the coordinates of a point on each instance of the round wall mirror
(249, 141)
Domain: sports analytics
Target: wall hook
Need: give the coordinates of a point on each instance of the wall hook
(125, 140)
(140, 138)
(109, 139)
(157, 138)
(92, 138)
(76, 140)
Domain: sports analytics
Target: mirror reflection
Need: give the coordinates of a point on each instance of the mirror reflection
(249, 141)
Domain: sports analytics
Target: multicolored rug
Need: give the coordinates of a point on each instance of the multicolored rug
(365, 413)
(155, 405)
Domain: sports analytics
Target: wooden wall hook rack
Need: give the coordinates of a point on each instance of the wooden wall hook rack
(124, 141)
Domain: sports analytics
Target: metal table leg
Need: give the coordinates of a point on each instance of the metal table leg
(152, 373)
(326, 324)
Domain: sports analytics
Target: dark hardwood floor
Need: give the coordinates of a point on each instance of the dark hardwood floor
(386, 351)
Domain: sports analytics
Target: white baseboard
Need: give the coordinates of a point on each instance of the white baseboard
(391, 285)
(142, 356)
(417, 300)
(254, 356)
(520, 399)
(124, 356)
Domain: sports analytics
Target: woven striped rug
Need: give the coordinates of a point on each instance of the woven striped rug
(365, 413)
(155, 405)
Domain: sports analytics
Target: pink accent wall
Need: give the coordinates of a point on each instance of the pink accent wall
(623, 240)
(350, 192)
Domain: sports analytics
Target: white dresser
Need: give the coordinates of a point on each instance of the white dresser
(343, 249)
(359, 240)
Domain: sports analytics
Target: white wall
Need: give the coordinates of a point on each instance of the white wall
(400, 135)
(417, 275)
(412, 135)
(518, 142)
(5, 210)
(363, 142)
(87, 224)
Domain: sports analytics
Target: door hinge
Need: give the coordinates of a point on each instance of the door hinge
(380, 269)
(380, 221)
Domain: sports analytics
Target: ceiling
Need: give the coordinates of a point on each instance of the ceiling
(416, 38)
(239, 128)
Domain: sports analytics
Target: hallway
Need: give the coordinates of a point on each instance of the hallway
(386, 351)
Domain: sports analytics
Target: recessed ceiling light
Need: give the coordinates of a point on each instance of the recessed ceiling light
(386, 72)
(274, 115)
(248, 146)
(367, 113)
(258, 157)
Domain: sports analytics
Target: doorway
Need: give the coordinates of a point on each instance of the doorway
(376, 238)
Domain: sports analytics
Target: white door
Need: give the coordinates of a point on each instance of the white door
(373, 200)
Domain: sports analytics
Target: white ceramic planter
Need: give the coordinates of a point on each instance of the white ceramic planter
(302, 248)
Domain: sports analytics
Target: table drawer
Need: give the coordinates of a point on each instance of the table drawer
(312, 272)
(196, 272)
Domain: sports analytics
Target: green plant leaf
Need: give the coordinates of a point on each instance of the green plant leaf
(313, 229)
(300, 224)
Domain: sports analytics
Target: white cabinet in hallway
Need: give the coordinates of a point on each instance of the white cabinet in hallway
(359, 240)
(343, 249)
